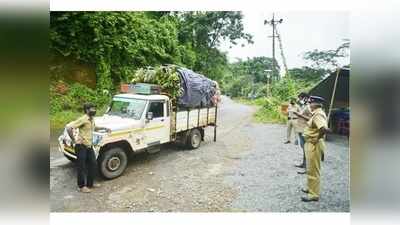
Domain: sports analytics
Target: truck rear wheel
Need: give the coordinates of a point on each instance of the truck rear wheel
(112, 163)
(194, 139)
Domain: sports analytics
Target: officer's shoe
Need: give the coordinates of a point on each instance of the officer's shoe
(300, 165)
(305, 190)
(287, 142)
(308, 199)
(96, 185)
(301, 172)
(85, 190)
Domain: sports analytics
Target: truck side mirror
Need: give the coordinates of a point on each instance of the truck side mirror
(149, 116)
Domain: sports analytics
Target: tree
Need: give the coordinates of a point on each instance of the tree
(248, 77)
(204, 31)
(307, 74)
(327, 59)
(207, 29)
(115, 42)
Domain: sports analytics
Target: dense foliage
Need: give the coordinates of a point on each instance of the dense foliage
(111, 46)
(248, 81)
(248, 78)
(115, 44)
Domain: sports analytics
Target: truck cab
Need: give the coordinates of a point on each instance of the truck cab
(143, 120)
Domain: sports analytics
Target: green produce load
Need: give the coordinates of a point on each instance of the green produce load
(186, 88)
(166, 77)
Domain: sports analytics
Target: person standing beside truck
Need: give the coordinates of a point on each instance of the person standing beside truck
(291, 122)
(86, 159)
(314, 134)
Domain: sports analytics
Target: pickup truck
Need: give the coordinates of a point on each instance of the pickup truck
(138, 123)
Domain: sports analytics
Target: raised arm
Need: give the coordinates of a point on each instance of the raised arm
(302, 116)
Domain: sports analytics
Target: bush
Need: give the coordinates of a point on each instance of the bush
(74, 98)
(286, 88)
(66, 102)
(59, 119)
(269, 111)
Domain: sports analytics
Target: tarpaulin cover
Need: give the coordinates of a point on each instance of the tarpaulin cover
(326, 86)
(198, 90)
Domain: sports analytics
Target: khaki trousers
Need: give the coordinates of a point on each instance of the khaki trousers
(290, 128)
(313, 157)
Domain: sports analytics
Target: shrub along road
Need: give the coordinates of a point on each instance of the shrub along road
(247, 169)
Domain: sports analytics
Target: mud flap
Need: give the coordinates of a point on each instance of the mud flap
(153, 147)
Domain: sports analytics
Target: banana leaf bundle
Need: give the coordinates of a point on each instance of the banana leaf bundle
(165, 76)
(186, 88)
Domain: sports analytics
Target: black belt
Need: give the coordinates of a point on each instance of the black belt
(292, 118)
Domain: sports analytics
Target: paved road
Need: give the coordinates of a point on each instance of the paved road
(247, 169)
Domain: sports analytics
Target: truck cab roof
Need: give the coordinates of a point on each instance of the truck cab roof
(144, 97)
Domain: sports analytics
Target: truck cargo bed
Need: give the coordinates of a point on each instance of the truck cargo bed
(191, 118)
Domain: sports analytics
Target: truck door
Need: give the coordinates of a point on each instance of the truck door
(157, 130)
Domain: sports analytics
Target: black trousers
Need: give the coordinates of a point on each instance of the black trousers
(86, 165)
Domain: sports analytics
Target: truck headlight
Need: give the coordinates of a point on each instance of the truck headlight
(97, 138)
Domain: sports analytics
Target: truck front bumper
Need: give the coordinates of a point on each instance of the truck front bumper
(66, 150)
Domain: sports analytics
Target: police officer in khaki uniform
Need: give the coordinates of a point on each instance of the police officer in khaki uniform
(86, 159)
(291, 122)
(314, 146)
(302, 117)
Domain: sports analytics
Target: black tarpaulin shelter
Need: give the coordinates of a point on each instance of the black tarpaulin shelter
(335, 90)
(326, 88)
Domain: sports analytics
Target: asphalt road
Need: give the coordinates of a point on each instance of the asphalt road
(248, 169)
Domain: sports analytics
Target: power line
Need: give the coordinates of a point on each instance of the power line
(282, 54)
(273, 23)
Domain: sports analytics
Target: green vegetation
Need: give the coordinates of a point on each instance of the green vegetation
(247, 81)
(269, 108)
(165, 76)
(93, 52)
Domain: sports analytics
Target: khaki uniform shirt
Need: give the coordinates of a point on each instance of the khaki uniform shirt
(86, 128)
(301, 123)
(291, 109)
(317, 121)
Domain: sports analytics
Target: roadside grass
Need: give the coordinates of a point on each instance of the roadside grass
(268, 110)
(58, 120)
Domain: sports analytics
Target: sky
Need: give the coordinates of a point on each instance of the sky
(300, 32)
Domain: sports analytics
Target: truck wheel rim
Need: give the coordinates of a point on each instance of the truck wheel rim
(114, 163)
(196, 140)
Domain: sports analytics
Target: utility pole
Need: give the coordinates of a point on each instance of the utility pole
(273, 23)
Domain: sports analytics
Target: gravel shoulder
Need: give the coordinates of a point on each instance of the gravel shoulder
(248, 169)
(268, 180)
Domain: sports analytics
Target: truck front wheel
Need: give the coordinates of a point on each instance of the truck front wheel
(112, 162)
(194, 139)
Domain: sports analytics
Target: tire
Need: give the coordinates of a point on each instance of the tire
(194, 139)
(70, 158)
(112, 163)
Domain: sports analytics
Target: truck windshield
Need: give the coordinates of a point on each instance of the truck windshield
(127, 107)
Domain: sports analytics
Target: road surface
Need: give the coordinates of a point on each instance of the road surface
(248, 169)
